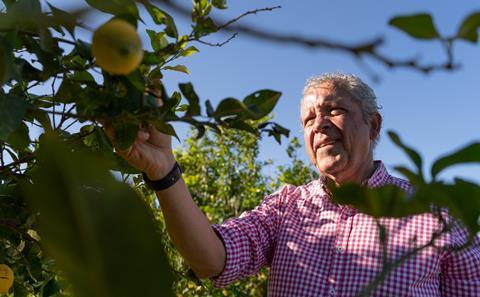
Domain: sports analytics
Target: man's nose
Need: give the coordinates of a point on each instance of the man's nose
(322, 122)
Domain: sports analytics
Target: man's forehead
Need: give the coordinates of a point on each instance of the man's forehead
(326, 94)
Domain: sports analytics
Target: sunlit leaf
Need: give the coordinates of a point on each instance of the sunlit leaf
(179, 68)
(468, 154)
(418, 26)
(469, 28)
(160, 17)
(189, 51)
(157, 40)
(220, 4)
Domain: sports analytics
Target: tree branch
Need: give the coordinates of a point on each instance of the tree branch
(359, 51)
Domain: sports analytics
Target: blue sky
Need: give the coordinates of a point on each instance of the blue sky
(434, 113)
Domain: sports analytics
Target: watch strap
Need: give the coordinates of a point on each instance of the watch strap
(164, 183)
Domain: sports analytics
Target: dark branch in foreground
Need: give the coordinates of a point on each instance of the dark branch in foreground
(359, 51)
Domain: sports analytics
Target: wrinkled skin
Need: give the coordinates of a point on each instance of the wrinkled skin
(339, 141)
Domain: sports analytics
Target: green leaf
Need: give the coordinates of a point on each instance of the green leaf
(189, 51)
(82, 76)
(42, 117)
(7, 66)
(68, 91)
(12, 111)
(412, 176)
(418, 26)
(19, 138)
(468, 154)
(469, 28)
(209, 107)
(220, 4)
(411, 153)
(104, 238)
(461, 199)
(125, 133)
(387, 201)
(126, 8)
(275, 130)
(160, 17)
(241, 125)
(157, 40)
(165, 128)
(152, 59)
(204, 27)
(231, 107)
(137, 80)
(193, 100)
(261, 103)
(179, 68)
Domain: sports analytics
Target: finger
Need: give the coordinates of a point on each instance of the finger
(158, 138)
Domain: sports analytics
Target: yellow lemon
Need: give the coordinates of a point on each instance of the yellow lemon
(117, 48)
(6, 278)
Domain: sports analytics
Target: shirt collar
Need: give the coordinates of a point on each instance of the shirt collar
(378, 179)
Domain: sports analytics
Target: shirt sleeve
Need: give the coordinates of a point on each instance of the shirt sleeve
(460, 275)
(250, 239)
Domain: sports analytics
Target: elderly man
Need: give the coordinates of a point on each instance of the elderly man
(313, 246)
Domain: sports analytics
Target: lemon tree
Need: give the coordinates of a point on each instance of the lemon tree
(62, 86)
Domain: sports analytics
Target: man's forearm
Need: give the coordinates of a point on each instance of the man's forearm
(191, 232)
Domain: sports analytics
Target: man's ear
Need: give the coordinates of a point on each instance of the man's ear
(375, 126)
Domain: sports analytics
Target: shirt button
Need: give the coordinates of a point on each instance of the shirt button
(339, 249)
(332, 292)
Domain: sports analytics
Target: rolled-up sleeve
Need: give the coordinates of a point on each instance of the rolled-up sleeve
(460, 276)
(250, 239)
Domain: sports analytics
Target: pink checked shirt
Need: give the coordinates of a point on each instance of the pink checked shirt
(317, 248)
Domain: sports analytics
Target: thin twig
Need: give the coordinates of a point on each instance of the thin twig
(71, 124)
(255, 11)
(219, 44)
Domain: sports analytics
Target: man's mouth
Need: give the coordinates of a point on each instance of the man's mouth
(325, 144)
(331, 142)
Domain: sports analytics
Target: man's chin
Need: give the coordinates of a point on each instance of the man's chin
(330, 168)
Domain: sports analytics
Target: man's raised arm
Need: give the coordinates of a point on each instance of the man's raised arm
(188, 227)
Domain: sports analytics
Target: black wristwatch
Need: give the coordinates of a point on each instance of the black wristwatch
(169, 180)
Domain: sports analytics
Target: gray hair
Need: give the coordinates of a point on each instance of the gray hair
(352, 84)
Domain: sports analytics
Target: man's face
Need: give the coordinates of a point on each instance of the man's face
(339, 141)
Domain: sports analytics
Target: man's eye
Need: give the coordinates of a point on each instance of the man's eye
(337, 111)
(309, 121)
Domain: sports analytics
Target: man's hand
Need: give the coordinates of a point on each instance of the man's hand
(151, 151)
